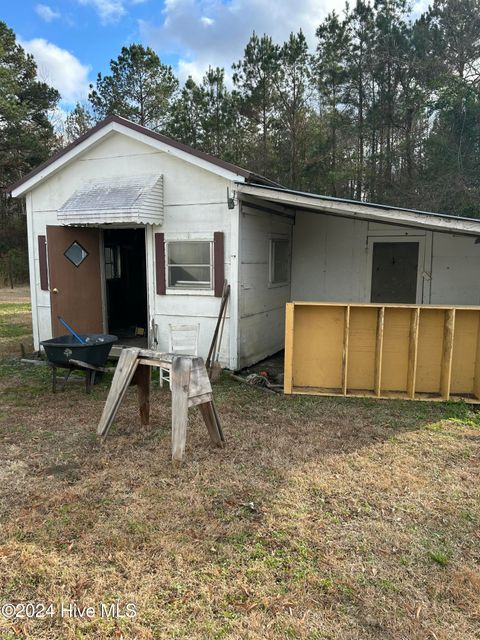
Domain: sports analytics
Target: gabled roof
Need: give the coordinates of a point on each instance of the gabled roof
(117, 123)
(340, 207)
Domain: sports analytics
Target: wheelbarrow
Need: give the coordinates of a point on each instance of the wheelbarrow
(88, 355)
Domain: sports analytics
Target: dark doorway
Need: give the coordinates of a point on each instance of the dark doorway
(126, 284)
(395, 272)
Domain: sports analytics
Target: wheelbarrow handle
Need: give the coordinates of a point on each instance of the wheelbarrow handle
(74, 334)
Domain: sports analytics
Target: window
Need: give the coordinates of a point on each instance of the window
(76, 254)
(113, 269)
(279, 261)
(189, 264)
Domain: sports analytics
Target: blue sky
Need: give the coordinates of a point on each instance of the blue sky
(72, 40)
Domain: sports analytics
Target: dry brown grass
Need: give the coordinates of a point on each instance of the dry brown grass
(322, 518)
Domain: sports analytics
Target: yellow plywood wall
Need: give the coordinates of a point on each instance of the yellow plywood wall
(395, 350)
(361, 348)
(408, 351)
(465, 349)
(318, 346)
(430, 350)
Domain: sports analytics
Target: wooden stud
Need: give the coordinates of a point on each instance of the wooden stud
(412, 352)
(210, 418)
(346, 333)
(446, 370)
(288, 370)
(180, 380)
(142, 380)
(379, 350)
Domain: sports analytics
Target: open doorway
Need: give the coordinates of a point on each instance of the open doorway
(126, 285)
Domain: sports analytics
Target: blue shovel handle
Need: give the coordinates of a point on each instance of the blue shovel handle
(74, 334)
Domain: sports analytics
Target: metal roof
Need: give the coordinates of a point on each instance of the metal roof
(362, 210)
(318, 196)
(137, 198)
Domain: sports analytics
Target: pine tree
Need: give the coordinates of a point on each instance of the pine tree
(256, 79)
(77, 123)
(331, 77)
(26, 139)
(293, 110)
(139, 88)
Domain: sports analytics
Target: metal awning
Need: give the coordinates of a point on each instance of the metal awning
(134, 199)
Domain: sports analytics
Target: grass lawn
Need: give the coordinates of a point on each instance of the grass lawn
(322, 518)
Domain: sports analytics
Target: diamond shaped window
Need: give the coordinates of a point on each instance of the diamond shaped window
(76, 254)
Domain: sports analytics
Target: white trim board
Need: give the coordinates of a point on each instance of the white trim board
(108, 130)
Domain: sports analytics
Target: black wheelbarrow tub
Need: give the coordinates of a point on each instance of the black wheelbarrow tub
(62, 349)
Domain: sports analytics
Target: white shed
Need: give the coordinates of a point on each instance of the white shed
(130, 231)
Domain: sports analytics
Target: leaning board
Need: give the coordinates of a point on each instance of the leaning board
(416, 352)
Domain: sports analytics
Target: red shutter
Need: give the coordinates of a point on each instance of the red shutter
(160, 263)
(218, 262)
(42, 258)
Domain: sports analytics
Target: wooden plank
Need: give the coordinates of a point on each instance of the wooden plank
(142, 380)
(379, 350)
(122, 378)
(193, 402)
(199, 380)
(386, 395)
(446, 366)
(412, 353)
(288, 365)
(211, 421)
(180, 381)
(346, 334)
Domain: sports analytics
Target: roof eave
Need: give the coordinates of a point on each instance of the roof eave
(365, 211)
(115, 123)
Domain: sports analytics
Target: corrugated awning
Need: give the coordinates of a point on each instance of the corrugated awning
(127, 199)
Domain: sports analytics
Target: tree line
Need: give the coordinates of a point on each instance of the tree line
(384, 107)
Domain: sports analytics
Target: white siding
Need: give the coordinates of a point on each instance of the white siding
(329, 258)
(195, 206)
(261, 307)
(331, 262)
(455, 270)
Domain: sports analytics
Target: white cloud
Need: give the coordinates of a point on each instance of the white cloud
(46, 13)
(215, 32)
(108, 10)
(59, 68)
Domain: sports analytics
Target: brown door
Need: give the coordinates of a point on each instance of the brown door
(395, 272)
(75, 279)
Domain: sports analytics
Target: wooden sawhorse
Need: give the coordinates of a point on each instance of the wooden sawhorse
(190, 387)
